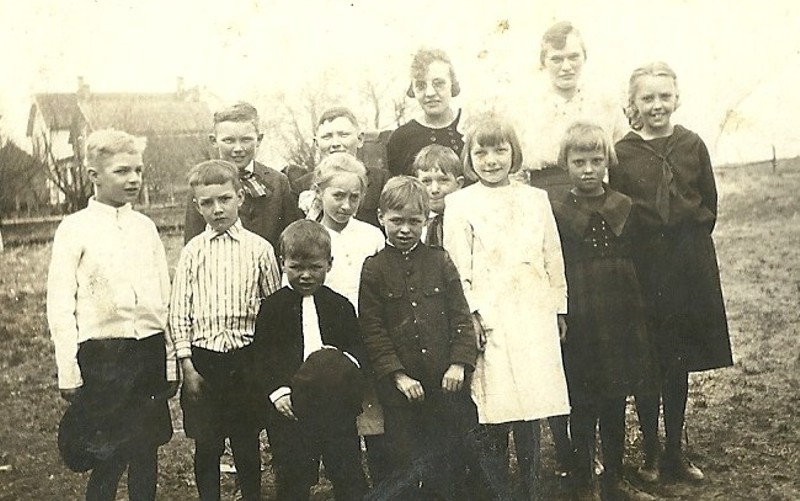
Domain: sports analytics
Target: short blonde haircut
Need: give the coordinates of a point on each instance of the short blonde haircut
(102, 145)
(654, 69)
(490, 130)
(436, 157)
(585, 137)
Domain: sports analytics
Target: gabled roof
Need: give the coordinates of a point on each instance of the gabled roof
(58, 110)
(140, 114)
(143, 114)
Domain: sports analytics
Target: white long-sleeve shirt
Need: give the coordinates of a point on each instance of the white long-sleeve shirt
(108, 279)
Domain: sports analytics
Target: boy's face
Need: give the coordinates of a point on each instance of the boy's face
(218, 204)
(586, 170)
(118, 181)
(439, 185)
(339, 134)
(307, 273)
(403, 227)
(237, 142)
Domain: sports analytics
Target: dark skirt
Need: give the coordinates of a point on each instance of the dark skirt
(122, 403)
(608, 352)
(679, 276)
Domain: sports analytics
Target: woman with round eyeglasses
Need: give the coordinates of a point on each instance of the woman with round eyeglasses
(433, 85)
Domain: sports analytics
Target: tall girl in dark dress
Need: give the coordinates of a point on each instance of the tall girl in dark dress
(666, 170)
(433, 85)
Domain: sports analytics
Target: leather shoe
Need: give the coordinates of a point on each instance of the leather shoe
(678, 466)
(624, 491)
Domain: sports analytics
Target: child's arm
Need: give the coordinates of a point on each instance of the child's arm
(379, 346)
(706, 184)
(62, 291)
(269, 276)
(181, 322)
(160, 258)
(554, 260)
(458, 240)
(463, 342)
(267, 359)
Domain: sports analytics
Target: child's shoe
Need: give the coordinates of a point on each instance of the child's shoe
(648, 472)
(588, 492)
(622, 490)
(678, 466)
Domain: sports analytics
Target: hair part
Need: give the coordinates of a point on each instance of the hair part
(335, 112)
(490, 130)
(401, 192)
(436, 157)
(339, 163)
(102, 145)
(240, 111)
(423, 58)
(304, 239)
(585, 137)
(654, 69)
(556, 37)
(214, 172)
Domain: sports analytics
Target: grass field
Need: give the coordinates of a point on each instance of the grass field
(743, 424)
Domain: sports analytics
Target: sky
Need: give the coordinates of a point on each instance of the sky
(737, 63)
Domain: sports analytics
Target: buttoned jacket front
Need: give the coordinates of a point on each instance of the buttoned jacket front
(414, 318)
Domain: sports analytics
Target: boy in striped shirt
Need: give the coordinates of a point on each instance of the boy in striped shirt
(222, 276)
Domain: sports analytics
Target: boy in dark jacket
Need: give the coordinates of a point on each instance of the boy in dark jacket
(421, 343)
(306, 350)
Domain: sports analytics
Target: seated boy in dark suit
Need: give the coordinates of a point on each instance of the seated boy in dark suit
(306, 350)
(268, 201)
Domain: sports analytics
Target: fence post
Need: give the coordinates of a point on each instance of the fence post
(774, 160)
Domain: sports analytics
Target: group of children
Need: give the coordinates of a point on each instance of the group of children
(431, 339)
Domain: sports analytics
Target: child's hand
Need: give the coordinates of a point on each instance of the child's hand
(453, 379)
(562, 328)
(284, 406)
(192, 380)
(70, 394)
(410, 387)
(480, 330)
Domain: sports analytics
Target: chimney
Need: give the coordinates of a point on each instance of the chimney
(83, 88)
(181, 88)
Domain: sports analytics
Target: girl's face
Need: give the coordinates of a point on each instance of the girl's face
(340, 199)
(434, 91)
(656, 99)
(492, 163)
(586, 170)
(564, 65)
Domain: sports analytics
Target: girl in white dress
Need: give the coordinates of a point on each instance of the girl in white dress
(503, 239)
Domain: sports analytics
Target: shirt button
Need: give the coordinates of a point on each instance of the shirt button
(414, 304)
(411, 289)
(408, 273)
(424, 351)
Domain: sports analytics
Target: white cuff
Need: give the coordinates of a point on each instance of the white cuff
(279, 393)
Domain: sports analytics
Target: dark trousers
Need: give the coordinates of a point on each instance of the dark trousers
(142, 465)
(674, 391)
(492, 440)
(226, 408)
(297, 448)
(428, 443)
(561, 440)
(611, 414)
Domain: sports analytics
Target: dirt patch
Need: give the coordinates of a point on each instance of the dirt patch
(743, 428)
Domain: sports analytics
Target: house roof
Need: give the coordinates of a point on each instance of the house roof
(140, 114)
(58, 110)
